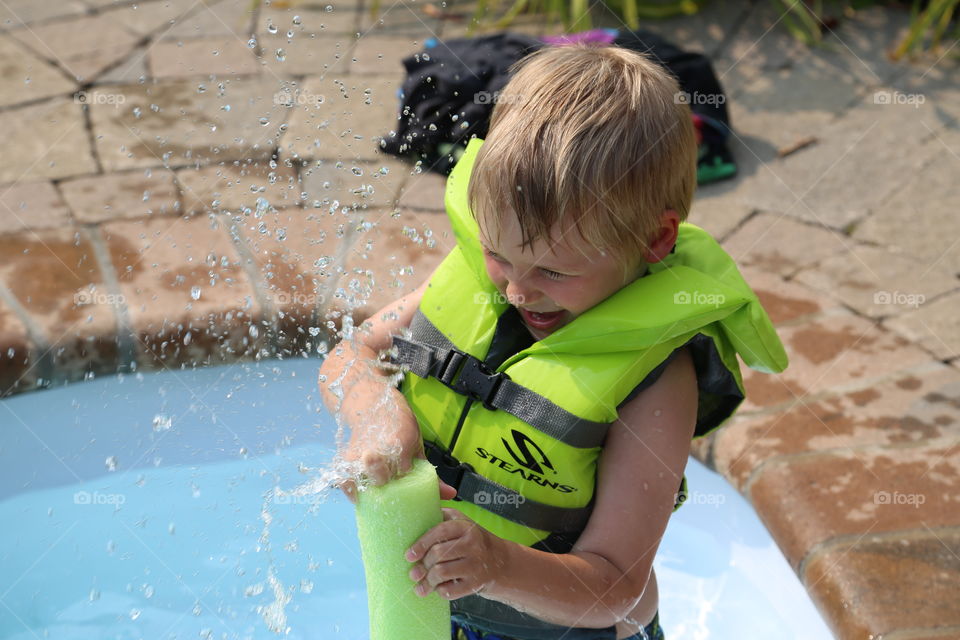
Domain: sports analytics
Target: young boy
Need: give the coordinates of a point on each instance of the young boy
(561, 358)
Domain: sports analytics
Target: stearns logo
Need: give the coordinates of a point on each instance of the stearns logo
(535, 463)
(529, 461)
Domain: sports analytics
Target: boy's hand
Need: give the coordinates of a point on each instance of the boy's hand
(456, 558)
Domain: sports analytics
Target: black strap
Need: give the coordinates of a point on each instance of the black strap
(502, 501)
(428, 353)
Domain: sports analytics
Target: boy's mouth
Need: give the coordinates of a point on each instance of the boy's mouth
(542, 321)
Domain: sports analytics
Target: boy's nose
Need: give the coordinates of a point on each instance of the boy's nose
(519, 294)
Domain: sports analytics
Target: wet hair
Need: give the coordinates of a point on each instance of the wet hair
(588, 139)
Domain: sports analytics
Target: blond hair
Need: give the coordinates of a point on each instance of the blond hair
(587, 138)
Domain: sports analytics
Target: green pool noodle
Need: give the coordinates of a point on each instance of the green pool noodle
(390, 518)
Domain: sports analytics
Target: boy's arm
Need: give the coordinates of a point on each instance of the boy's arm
(384, 433)
(602, 579)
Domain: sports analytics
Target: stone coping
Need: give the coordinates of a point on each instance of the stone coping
(174, 196)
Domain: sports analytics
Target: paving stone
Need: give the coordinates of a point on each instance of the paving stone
(314, 19)
(808, 500)
(237, 187)
(423, 191)
(933, 326)
(878, 584)
(187, 295)
(190, 126)
(24, 77)
(15, 14)
(103, 198)
(354, 184)
(16, 371)
(704, 31)
(72, 45)
(223, 57)
(862, 42)
(785, 302)
(131, 70)
(335, 118)
(918, 219)
(781, 245)
(296, 262)
(936, 633)
(54, 276)
(401, 17)
(832, 352)
(911, 405)
(382, 54)
(389, 258)
(825, 183)
(152, 17)
(215, 18)
(877, 282)
(311, 54)
(31, 205)
(760, 44)
(46, 140)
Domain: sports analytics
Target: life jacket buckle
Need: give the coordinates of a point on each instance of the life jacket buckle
(449, 469)
(477, 381)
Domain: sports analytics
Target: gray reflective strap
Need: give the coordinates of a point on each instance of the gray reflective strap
(509, 504)
(548, 418)
(428, 349)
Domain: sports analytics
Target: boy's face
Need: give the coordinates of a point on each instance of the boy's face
(554, 281)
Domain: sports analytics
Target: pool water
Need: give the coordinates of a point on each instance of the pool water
(181, 505)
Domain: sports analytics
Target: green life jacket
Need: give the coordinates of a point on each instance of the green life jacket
(518, 425)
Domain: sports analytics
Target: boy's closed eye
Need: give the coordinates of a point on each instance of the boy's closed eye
(549, 273)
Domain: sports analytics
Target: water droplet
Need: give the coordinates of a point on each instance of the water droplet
(314, 331)
(253, 331)
(328, 8)
(289, 34)
(197, 610)
(432, 127)
(163, 422)
(281, 55)
(357, 171)
(137, 112)
(171, 528)
(134, 614)
(296, 20)
(272, 28)
(148, 591)
(201, 88)
(155, 108)
(264, 121)
(252, 42)
(94, 594)
(225, 107)
(195, 293)
(111, 463)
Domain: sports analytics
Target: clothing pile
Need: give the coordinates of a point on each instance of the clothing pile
(451, 87)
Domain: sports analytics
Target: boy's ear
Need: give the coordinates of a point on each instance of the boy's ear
(665, 237)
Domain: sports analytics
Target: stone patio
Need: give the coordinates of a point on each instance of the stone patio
(198, 181)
